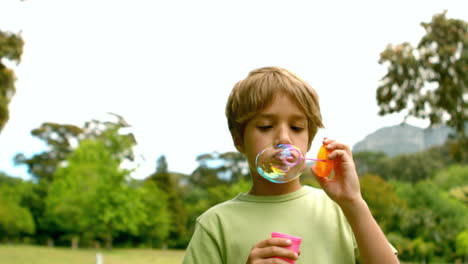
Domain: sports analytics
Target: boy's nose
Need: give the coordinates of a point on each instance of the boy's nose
(282, 136)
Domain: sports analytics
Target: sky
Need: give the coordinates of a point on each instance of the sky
(168, 67)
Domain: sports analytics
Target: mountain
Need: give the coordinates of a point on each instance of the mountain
(403, 138)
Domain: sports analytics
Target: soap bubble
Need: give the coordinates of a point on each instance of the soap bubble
(280, 163)
(284, 162)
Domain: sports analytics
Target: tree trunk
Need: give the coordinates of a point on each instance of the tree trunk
(150, 243)
(74, 242)
(50, 242)
(109, 241)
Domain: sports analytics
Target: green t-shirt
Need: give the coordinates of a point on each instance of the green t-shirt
(227, 232)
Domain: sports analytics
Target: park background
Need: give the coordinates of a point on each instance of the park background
(116, 135)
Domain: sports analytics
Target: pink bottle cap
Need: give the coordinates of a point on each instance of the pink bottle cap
(296, 243)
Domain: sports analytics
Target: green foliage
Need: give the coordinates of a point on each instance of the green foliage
(166, 182)
(423, 249)
(382, 200)
(110, 133)
(462, 243)
(72, 193)
(234, 166)
(460, 193)
(156, 224)
(454, 180)
(116, 208)
(162, 177)
(419, 200)
(89, 193)
(216, 169)
(406, 167)
(432, 216)
(205, 177)
(226, 192)
(410, 167)
(429, 81)
(60, 140)
(451, 177)
(15, 219)
(11, 48)
(369, 162)
(196, 201)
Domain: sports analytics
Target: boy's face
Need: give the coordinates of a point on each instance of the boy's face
(282, 122)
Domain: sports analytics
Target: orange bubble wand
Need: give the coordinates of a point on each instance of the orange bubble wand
(323, 168)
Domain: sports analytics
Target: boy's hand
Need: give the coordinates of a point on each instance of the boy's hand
(344, 186)
(265, 252)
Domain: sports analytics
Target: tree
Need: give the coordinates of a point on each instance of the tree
(109, 132)
(162, 177)
(370, 162)
(205, 175)
(411, 167)
(235, 165)
(462, 245)
(452, 176)
(215, 169)
(15, 218)
(71, 193)
(382, 200)
(60, 140)
(156, 225)
(432, 216)
(178, 215)
(226, 191)
(90, 194)
(454, 180)
(430, 81)
(11, 48)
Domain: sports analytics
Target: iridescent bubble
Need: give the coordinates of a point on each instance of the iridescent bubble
(281, 163)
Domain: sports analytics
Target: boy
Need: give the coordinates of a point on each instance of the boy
(274, 106)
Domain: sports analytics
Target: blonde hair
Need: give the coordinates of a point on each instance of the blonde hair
(255, 93)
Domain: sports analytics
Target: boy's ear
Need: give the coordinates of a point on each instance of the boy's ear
(237, 141)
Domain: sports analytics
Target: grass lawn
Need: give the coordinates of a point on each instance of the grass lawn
(23, 254)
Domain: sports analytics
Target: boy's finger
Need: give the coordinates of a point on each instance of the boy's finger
(342, 154)
(327, 141)
(273, 251)
(336, 145)
(274, 241)
(321, 180)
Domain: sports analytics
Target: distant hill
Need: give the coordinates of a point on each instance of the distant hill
(403, 138)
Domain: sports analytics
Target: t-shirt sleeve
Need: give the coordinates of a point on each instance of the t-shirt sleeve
(202, 249)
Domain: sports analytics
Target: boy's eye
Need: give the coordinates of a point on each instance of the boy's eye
(264, 128)
(297, 128)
